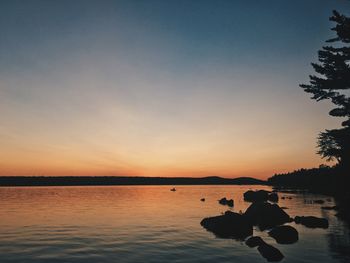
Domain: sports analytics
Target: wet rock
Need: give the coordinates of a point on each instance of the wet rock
(284, 234)
(269, 252)
(224, 201)
(203, 199)
(256, 196)
(273, 197)
(229, 225)
(266, 215)
(311, 221)
(254, 241)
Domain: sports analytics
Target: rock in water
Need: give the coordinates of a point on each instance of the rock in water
(273, 197)
(254, 241)
(311, 221)
(284, 234)
(256, 196)
(224, 201)
(266, 215)
(229, 225)
(230, 203)
(269, 252)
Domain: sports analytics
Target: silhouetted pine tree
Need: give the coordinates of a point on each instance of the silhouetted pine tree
(332, 82)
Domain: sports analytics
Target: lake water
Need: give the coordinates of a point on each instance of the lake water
(147, 224)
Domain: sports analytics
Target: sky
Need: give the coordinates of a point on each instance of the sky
(161, 88)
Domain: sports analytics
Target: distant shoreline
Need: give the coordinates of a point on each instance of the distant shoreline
(6, 181)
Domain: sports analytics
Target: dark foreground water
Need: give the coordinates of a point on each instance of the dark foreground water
(147, 224)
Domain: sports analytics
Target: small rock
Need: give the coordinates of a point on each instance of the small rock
(311, 221)
(254, 241)
(203, 199)
(230, 203)
(224, 201)
(269, 252)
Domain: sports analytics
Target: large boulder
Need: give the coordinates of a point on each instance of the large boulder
(311, 221)
(284, 234)
(266, 215)
(256, 196)
(269, 252)
(229, 225)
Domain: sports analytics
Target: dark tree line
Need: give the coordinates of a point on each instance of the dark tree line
(332, 82)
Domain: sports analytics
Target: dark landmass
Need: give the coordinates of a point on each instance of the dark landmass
(326, 180)
(122, 180)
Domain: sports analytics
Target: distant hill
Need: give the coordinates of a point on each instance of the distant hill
(122, 180)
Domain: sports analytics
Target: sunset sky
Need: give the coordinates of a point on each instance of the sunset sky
(160, 88)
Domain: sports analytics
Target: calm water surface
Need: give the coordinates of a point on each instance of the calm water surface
(147, 224)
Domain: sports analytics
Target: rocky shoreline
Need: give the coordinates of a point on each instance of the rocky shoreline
(267, 215)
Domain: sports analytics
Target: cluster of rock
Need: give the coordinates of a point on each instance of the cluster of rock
(260, 195)
(267, 251)
(265, 215)
(224, 201)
